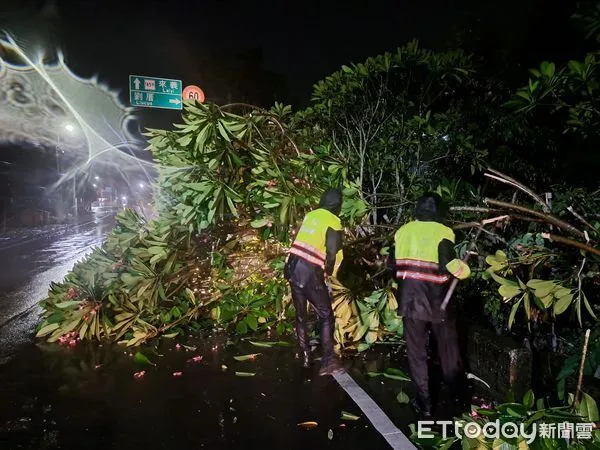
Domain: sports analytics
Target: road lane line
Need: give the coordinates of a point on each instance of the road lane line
(382, 423)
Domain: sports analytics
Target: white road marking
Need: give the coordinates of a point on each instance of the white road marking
(382, 423)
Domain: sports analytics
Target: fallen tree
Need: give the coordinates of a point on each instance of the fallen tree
(232, 187)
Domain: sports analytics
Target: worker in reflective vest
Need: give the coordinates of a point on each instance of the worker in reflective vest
(316, 254)
(424, 261)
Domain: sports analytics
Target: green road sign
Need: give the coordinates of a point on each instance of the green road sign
(150, 92)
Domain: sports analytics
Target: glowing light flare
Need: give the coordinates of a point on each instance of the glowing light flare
(48, 104)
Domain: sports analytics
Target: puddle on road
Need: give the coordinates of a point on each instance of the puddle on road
(88, 397)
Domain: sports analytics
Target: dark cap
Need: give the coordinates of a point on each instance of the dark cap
(331, 200)
(431, 208)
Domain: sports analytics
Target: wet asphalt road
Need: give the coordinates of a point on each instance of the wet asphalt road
(92, 396)
(44, 388)
(29, 261)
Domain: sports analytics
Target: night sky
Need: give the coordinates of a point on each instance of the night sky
(259, 51)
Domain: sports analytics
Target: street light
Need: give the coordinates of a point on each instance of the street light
(142, 185)
(69, 127)
(96, 177)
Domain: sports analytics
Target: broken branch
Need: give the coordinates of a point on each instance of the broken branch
(511, 181)
(581, 219)
(472, 209)
(467, 254)
(546, 217)
(572, 243)
(583, 355)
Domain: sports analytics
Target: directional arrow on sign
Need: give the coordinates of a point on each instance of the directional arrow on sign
(136, 82)
(175, 101)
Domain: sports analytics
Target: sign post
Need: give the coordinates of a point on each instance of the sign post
(150, 92)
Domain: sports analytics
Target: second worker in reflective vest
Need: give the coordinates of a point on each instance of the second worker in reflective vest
(315, 254)
(424, 261)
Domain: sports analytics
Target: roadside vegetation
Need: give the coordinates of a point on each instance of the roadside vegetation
(236, 180)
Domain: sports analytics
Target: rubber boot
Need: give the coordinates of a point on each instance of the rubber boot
(331, 368)
(421, 406)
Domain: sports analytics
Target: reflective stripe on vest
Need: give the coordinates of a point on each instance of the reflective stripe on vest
(308, 253)
(417, 251)
(417, 263)
(407, 274)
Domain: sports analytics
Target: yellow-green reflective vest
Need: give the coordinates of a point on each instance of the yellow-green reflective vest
(310, 243)
(417, 255)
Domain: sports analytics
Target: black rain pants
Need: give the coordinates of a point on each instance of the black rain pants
(319, 298)
(416, 334)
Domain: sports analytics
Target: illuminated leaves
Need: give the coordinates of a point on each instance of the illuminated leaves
(247, 357)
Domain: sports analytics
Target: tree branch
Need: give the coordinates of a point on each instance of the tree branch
(472, 209)
(546, 217)
(582, 219)
(268, 114)
(572, 243)
(511, 181)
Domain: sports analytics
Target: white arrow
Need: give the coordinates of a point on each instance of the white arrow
(175, 100)
(136, 83)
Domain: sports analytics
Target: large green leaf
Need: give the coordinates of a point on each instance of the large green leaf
(394, 376)
(67, 304)
(547, 300)
(270, 344)
(71, 325)
(47, 330)
(562, 304)
(247, 357)
(232, 207)
(283, 214)
(398, 373)
(587, 305)
(588, 408)
(529, 399)
(561, 292)
(508, 292)
(371, 337)
(156, 250)
(501, 280)
(259, 223)
(140, 358)
(513, 313)
(542, 287)
(527, 305)
(223, 131)
(545, 291)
